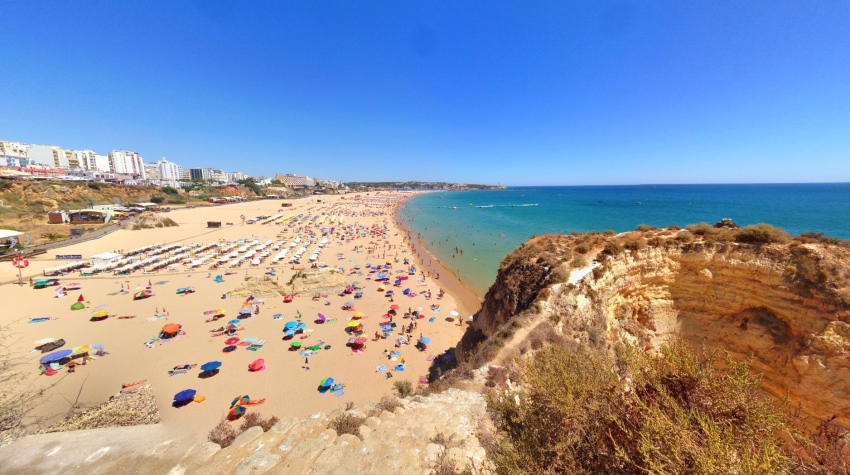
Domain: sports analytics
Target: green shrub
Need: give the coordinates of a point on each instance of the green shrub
(94, 186)
(676, 414)
(684, 236)
(560, 275)
(579, 261)
(157, 200)
(583, 247)
(169, 190)
(613, 248)
(761, 234)
(403, 388)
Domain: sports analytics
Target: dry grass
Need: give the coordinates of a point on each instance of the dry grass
(256, 419)
(347, 424)
(222, 434)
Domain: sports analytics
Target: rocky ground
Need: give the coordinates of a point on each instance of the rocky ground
(439, 430)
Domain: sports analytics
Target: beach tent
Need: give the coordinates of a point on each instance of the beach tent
(78, 306)
(322, 318)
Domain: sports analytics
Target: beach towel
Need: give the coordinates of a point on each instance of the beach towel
(382, 368)
(430, 358)
(199, 398)
(173, 372)
(339, 392)
(42, 319)
(424, 380)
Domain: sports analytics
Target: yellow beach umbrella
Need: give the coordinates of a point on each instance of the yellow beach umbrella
(99, 313)
(354, 323)
(358, 314)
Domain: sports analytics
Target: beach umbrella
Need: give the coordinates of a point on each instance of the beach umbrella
(211, 366)
(393, 307)
(425, 340)
(99, 313)
(185, 395)
(234, 322)
(390, 292)
(44, 341)
(454, 313)
(228, 349)
(257, 365)
(360, 341)
(295, 344)
(289, 333)
(327, 382)
(231, 328)
(231, 341)
(240, 400)
(358, 314)
(56, 355)
(301, 326)
(78, 306)
(171, 328)
(142, 295)
(353, 324)
(290, 324)
(322, 318)
(236, 412)
(220, 311)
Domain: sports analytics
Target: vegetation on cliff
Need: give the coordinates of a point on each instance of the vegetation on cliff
(583, 412)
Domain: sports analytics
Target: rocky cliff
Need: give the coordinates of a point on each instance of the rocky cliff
(779, 302)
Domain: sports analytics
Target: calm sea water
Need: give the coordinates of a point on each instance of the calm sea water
(488, 234)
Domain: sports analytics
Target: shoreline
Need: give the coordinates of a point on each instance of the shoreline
(468, 302)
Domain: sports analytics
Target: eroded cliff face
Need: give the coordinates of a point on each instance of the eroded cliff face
(782, 307)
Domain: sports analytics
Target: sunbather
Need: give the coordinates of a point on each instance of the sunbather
(184, 366)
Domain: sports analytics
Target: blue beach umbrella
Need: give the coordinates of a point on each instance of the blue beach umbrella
(234, 322)
(425, 340)
(327, 382)
(301, 326)
(56, 355)
(289, 332)
(211, 366)
(290, 325)
(185, 395)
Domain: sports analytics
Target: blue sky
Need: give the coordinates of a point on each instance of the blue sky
(518, 93)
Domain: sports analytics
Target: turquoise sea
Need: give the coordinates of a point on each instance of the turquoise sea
(449, 220)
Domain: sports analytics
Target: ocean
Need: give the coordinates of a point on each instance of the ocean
(488, 224)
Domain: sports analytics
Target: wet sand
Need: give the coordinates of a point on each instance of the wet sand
(288, 387)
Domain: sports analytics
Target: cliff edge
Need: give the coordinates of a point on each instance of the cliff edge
(776, 301)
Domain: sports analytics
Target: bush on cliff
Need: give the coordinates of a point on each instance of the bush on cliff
(761, 234)
(581, 413)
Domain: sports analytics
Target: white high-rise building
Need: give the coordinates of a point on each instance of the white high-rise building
(126, 162)
(236, 176)
(92, 161)
(168, 170)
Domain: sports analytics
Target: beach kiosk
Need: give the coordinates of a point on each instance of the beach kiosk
(105, 259)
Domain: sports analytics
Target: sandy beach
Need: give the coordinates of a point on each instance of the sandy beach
(289, 388)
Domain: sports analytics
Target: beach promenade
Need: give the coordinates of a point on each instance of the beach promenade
(359, 233)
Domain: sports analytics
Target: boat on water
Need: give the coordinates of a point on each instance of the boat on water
(485, 206)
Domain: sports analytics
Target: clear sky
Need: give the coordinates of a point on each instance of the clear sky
(518, 93)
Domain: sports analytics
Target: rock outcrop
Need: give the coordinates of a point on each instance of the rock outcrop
(780, 306)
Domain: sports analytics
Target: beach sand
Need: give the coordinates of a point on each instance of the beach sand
(288, 387)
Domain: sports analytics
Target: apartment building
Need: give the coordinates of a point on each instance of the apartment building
(127, 162)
